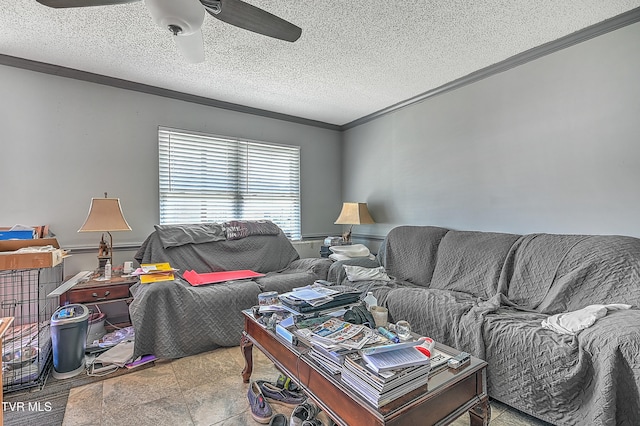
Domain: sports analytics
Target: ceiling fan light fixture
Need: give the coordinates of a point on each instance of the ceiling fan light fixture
(185, 15)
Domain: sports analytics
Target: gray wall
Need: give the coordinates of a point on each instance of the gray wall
(549, 146)
(65, 141)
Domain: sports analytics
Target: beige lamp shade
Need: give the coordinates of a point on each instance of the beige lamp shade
(354, 214)
(105, 215)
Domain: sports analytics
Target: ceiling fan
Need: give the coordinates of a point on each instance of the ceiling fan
(184, 18)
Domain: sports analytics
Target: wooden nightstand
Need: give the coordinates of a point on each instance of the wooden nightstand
(110, 297)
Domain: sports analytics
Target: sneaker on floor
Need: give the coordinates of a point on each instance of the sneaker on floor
(285, 382)
(260, 408)
(279, 395)
(303, 413)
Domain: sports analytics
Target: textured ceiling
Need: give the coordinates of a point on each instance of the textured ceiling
(354, 57)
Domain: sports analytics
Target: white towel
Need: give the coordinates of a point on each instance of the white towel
(351, 250)
(573, 322)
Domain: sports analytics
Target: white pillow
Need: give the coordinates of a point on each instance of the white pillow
(351, 250)
(359, 273)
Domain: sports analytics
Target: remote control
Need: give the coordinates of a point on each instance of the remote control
(459, 361)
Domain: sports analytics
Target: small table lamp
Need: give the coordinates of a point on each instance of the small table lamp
(105, 215)
(353, 214)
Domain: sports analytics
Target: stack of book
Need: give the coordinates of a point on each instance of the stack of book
(381, 382)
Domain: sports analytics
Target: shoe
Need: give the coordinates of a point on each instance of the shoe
(279, 395)
(260, 408)
(278, 420)
(304, 413)
(285, 382)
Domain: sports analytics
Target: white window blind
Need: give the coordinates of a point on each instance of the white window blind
(206, 178)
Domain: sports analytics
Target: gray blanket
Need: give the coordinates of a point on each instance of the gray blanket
(491, 302)
(260, 253)
(172, 319)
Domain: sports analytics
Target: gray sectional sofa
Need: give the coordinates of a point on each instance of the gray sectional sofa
(488, 293)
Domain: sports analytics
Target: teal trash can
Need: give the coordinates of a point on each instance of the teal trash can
(69, 326)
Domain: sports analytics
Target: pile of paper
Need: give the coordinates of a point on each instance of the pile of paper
(154, 272)
(314, 295)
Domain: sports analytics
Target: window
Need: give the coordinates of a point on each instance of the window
(206, 178)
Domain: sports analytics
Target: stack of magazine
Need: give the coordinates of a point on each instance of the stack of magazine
(331, 338)
(383, 384)
(335, 333)
(330, 360)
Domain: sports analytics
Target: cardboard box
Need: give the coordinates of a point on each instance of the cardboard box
(10, 260)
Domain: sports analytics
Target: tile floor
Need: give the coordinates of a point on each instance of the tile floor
(204, 389)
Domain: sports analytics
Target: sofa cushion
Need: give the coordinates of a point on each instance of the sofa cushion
(408, 253)
(532, 266)
(471, 262)
(531, 368)
(300, 273)
(283, 282)
(597, 269)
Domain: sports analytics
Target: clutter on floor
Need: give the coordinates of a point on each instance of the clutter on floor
(113, 351)
(283, 391)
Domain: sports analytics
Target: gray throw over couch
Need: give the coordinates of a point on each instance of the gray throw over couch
(488, 293)
(173, 319)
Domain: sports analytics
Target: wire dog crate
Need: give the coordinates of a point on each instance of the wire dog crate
(27, 355)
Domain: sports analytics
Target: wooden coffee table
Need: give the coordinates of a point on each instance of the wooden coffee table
(447, 395)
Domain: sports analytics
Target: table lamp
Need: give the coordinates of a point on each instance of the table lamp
(105, 215)
(353, 214)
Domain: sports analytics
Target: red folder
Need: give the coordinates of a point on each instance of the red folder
(196, 279)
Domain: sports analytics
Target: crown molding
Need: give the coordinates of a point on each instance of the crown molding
(585, 34)
(75, 74)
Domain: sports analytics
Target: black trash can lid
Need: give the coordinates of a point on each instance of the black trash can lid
(69, 314)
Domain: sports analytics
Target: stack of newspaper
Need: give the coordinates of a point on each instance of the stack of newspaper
(336, 333)
(382, 382)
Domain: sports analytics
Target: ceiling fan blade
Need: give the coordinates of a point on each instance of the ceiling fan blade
(58, 4)
(249, 17)
(191, 46)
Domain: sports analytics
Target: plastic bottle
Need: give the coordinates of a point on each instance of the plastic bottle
(428, 344)
(370, 301)
(107, 270)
